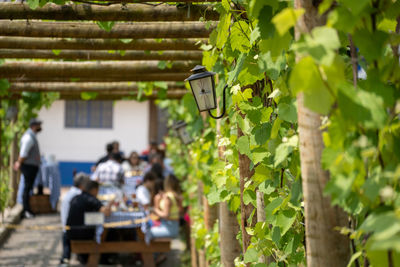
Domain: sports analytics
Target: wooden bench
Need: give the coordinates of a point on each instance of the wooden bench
(94, 249)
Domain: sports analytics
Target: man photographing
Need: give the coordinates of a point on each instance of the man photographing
(29, 162)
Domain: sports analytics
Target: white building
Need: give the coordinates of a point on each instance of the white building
(76, 132)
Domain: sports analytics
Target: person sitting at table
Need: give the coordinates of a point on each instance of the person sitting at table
(82, 203)
(169, 210)
(109, 150)
(111, 171)
(158, 158)
(134, 166)
(144, 191)
(75, 190)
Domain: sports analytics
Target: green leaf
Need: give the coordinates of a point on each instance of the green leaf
(259, 154)
(276, 235)
(276, 45)
(306, 78)
(223, 29)
(33, 4)
(286, 19)
(361, 106)
(4, 86)
(251, 255)
(383, 225)
(355, 6)
(285, 219)
(266, 188)
(255, 6)
(240, 36)
(275, 128)
(226, 5)
(162, 85)
(249, 196)
(232, 75)
(89, 95)
(106, 25)
(243, 145)
(371, 45)
(162, 64)
(56, 52)
(262, 133)
(287, 112)
(126, 41)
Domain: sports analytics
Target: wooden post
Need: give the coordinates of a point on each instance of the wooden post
(14, 176)
(153, 122)
(92, 30)
(117, 12)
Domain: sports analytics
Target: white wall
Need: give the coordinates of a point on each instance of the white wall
(130, 128)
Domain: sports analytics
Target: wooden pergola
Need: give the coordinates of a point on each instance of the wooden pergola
(60, 48)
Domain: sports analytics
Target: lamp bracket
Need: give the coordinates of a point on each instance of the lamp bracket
(223, 106)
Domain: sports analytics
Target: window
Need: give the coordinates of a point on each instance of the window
(88, 114)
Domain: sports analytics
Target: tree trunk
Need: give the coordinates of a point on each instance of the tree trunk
(92, 30)
(325, 245)
(123, 87)
(117, 12)
(245, 210)
(101, 55)
(88, 69)
(178, 77)
(210, 214)
(228, 229)
(228, 225)
(99, 44)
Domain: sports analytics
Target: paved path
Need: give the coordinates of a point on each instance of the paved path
(43, 248)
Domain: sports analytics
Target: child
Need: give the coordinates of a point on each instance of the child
(168, 210)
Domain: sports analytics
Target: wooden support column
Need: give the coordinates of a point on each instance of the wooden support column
(14, 176)
(99, 44)
(92, 30)
(153, 122)
(117, 12)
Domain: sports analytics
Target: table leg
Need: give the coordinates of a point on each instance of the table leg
(93, 259)
(148, 260)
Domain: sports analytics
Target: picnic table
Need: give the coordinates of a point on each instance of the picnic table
(123, 218)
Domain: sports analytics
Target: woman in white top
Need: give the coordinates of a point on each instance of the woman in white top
(133, 166)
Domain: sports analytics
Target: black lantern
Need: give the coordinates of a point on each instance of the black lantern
(180, 128)
(203, 89)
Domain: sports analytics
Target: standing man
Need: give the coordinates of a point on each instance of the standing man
(29, 162)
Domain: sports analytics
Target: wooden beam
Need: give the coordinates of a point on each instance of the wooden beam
(92, 30)
(116, 12)
(32, 69)
(106, 2)
(99, 44)
(71, 87)
(101, 55)
(112, 96)
(178, 77)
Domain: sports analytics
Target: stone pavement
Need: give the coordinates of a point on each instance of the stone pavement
(42, 248)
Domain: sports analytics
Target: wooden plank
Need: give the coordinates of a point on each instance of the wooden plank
(119, 247)
(116, 12)
(14, 69)
(101, 55)
(11, 42)
(119, 30)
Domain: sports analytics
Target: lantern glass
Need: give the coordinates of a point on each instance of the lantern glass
(184, 135)
(204, 93)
